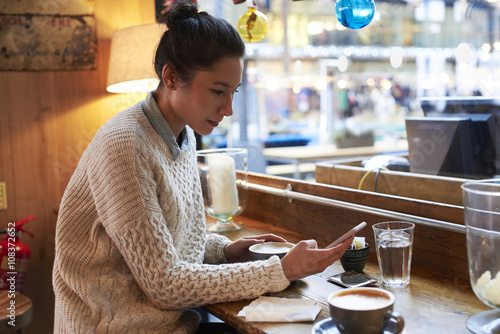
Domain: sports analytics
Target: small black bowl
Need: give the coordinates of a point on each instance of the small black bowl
(355, 259)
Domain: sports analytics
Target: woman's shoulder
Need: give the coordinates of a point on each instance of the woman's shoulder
(123, 124)
(119, 132)
(124, 120)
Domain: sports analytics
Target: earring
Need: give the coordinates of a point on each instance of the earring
(170, 86)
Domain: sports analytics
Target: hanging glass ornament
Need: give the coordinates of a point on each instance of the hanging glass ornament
(253, 25)
(355, 14)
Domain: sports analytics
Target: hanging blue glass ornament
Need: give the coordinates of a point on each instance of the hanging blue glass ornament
(355, 14)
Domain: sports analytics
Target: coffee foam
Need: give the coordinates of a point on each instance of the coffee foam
(360, 300)
(271, 248)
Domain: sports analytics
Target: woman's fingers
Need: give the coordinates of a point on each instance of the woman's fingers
(237, 251)
(306, 259)
(341, 248)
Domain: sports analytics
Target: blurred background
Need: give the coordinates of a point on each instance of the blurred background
(312, 81)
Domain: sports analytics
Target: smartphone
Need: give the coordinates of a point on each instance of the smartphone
(353, 231)
(351, 279)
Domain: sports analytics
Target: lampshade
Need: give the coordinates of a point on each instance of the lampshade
(131, 59)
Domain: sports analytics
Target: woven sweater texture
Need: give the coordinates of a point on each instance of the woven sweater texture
(132, 252)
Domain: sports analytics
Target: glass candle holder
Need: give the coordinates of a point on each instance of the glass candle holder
(223, 176)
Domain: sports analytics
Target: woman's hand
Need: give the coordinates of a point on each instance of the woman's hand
(306, 259)
(237, 251)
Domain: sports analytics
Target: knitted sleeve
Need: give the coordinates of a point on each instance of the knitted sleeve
(214, 249)
(173, 284)
(127, 204)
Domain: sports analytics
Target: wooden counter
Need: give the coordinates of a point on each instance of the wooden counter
(439, 298)
(432, 303)
(434, 249)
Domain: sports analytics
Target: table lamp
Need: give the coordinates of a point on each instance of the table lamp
(131, 68)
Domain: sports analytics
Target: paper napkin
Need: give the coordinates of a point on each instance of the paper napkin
(274, 309)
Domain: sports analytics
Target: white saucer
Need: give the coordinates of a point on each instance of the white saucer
(328, 326)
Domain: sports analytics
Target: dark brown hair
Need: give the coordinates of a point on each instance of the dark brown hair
(194, 41)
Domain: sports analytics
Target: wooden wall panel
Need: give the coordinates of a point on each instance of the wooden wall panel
(47, 120)
(413, 185)
(434, 249)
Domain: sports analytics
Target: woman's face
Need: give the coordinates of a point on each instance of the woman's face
(203, 103)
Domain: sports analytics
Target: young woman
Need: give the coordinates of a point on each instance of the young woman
(132, 254)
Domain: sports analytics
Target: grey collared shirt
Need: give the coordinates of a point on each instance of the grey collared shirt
(160, 124)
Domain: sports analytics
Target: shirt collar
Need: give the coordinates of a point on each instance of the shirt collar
(161, 126)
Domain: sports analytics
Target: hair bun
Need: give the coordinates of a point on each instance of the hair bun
(194, 41)
(183, 10)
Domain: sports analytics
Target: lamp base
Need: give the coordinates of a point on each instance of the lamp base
(487, 322)
(223, 226)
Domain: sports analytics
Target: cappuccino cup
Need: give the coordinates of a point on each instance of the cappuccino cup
(364, 311)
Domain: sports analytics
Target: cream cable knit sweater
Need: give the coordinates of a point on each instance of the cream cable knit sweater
(131, 249)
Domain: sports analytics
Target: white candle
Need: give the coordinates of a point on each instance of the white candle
(223, 184)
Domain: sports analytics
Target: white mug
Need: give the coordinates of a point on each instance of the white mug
(364, 311)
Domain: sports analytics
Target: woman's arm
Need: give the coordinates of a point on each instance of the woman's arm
(128, 205)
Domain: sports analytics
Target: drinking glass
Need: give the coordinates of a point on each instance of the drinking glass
(223, 176)
(394, 241)
(481, 200)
